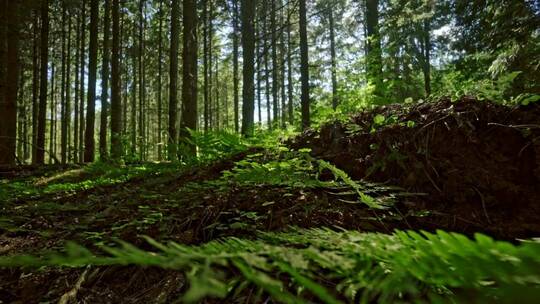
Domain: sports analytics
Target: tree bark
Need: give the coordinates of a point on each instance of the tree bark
(282, 70)
(248, 47)
(159, 81)
(210, 62)
(116, 103)
(140, 56)
(77, 91)
(67, 119)
(173, 78)
(275, 80)
(235, 66)
(133, 118)
(40, 153)
(89, 141)
(259, 70)
(35, 83)
(335, 100)
(63, 131)
(4, 120)
(82, 81)
(189, 77)
(304, 66)
(8, 102)
(289, 74)
(105, 82)
(373, 48)
(266, 69)
(205, 63)
(427, 54)
(52, 126)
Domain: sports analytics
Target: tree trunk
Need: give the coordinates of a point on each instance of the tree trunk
(259, 69)
(275, 80)
(248, 47)
(105, 82)
(67, 119)
(53, 106)
(82, 80)
(173, 78)
(89, 141)
(133, 118)
(8, 102)
(35, 84)
(210, 61)
(77, 91)
(22, 121)
(116, 103)
(235, 66)
(189, 76)
(63, 114)
(304, 66)
(335, 100)
(5, 159)
(289, 73)
(374, 53)
(282, 70)
(427, 54)
(40, 153)
(266, 69)
(141, 82)
(159, 80)
(205, 63)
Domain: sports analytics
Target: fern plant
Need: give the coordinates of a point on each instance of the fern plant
(329, 266)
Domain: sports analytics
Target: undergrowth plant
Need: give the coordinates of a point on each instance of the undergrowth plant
(295, 169)
(322, 265)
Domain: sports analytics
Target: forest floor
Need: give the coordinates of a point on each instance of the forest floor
(465, 167)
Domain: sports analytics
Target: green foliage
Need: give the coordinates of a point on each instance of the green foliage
(342, 175)
(455, 84)
(94, 175)
(294, 170)
(331, 266)
(217, 144)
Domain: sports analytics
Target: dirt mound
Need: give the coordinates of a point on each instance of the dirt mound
(477, 161)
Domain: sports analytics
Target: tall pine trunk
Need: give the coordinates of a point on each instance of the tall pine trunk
(275, 80)
(89, 141)
(105, 81)
(159, 81)
(248, 47)
(140, 58)
(44, 54)
(8, 102)
(77, 91)
(205, 63)
(63, 114)
(116, 103)
(335, 100)
(304, 66)
(189, 76)
(235, 66)
(52, 127)
(35, 82)
(266, 69)
(173, 78)
(82, 81)
(373, 47)
(426, 67)
(67, 118)
(289, 72)
(282, 69)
